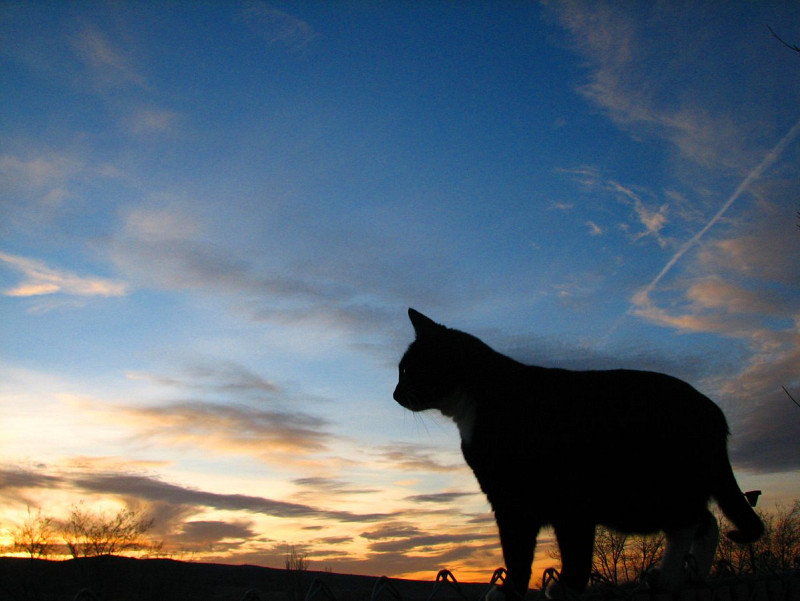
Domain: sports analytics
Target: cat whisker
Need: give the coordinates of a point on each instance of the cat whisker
(420, 420)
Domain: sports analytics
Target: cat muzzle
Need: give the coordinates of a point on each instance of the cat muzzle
(402, 398)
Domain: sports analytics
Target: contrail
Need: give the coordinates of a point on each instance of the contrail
(642, 297)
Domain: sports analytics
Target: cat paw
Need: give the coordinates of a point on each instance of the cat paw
(662, 581)
(495, 594)
(555, 591)
(651, 577)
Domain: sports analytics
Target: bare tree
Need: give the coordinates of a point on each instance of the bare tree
(776, 551)
(35, 536)
(643, 553)
(296, 561)
(620, 558)
(89, 534)
(296, 573)
(609, 551)
(782, 551)
(735, 559)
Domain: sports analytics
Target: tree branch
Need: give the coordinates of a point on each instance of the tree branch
(782, 41)
(790, 396)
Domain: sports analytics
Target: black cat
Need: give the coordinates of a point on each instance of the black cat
(632, 450)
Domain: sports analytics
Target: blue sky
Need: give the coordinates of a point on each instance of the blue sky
(215, 217)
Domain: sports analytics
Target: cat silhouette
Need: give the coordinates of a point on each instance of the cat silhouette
(636, 451)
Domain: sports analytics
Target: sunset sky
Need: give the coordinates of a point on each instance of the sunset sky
(214, 216)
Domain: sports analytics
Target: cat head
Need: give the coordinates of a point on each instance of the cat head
(432, 369)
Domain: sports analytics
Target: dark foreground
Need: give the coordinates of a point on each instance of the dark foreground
(128, 579)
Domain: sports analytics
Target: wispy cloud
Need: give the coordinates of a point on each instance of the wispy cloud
(16, 482)
(39, 189)
(427, 543)
(412, 457)
(219, 405)
(168, 247)
(171, 247)
(276, 27)
(586, 175)
(716, 293)
(110, 65)
(145, 488)
(648, 215)
(631, 77)
(316, 486)
(218, 376)
(226, 427)
(43, 171)
(232, 429)
(40, 279)
(594, 229)
(440, 498)
(391, 530)
(766, 436)
(208, 534)
(651, 219)
(152, 120)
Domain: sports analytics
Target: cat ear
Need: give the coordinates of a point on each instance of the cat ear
(421, 323)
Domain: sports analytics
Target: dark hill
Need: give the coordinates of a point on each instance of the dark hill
(128, 579)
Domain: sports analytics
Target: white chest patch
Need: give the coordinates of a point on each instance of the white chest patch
(461, 408)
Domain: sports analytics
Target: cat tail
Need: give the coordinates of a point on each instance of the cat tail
(737, 509)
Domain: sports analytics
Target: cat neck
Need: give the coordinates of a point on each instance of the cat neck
(461, 407)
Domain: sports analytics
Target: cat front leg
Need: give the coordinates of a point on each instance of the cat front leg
(575, 543)
(518, 540)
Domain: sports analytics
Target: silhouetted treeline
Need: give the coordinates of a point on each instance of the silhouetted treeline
(620, 558)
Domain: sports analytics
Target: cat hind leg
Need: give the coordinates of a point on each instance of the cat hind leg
(698, 541)
(704, 545)
(670, 572)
